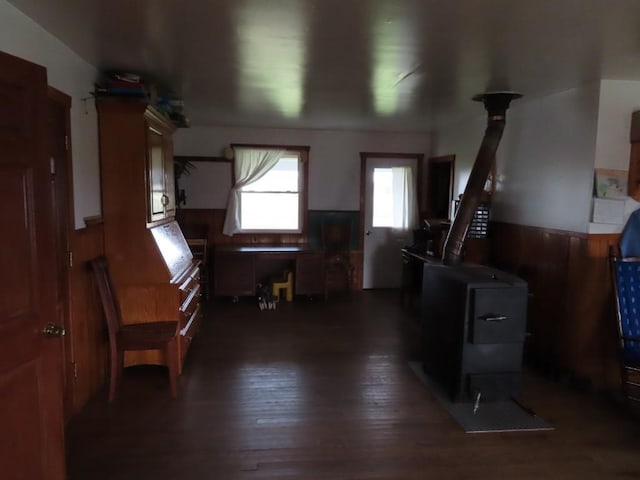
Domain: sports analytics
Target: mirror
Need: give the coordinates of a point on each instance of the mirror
(439, 187)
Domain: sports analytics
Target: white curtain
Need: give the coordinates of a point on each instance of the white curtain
(250, 164)
(405, 204)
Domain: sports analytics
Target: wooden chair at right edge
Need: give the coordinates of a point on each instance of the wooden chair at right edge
(163, 335)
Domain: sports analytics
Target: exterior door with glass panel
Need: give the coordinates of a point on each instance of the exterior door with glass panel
(389, 219)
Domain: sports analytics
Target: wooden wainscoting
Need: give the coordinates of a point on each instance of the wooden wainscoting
(592, 312)
(87, 327)
(571, 314)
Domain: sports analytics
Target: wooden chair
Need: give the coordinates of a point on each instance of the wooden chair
(336, 243)
(626, 282)
(138, 336)
(199, 250)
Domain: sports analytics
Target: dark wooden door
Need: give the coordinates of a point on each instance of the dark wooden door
(31, 411)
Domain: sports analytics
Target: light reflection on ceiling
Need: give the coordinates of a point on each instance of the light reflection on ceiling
(392, 84)
(273, 71)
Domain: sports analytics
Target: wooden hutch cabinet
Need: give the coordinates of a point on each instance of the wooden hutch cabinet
(155, 275)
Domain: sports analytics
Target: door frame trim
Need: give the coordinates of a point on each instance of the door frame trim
(63, 100)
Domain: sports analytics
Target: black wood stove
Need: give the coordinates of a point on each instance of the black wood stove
(474, 327)
(474, 317)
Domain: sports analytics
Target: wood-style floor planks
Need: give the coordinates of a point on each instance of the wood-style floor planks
(320, 390)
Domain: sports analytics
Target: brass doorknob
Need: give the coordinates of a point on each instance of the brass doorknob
(52, 330)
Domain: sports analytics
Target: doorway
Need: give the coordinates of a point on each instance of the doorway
(439, 195)
(389, 212)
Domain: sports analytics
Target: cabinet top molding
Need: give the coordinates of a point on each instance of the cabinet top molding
(130, 106)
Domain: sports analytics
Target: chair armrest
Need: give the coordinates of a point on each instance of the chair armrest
(631, 339)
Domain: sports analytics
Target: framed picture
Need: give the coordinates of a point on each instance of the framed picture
(610, 183)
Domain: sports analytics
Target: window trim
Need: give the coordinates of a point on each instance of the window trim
(303, 182)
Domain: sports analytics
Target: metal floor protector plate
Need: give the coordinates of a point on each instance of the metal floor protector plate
(498, 416)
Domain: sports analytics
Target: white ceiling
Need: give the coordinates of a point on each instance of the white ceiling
(349, 64)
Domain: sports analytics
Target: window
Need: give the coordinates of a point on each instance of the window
(382, 197)
(393, 198)
(272, 203)
(269, 193)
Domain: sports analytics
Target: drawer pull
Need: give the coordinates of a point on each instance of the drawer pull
(490, 317)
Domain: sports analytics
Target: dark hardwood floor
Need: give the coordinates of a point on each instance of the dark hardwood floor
(320, 390)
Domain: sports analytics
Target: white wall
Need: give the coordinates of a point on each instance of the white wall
(548, 159)
(462, 140)
(67, 72)
(334, 158)
(544, 162)
(618, 100)
(207, 185)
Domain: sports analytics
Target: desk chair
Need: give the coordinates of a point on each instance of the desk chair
(336, 243)
(626, 282)
(138, 336)
(199, 250)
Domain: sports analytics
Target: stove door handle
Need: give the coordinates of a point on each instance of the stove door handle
(490, 317)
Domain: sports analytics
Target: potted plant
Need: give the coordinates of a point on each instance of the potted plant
(181, 166)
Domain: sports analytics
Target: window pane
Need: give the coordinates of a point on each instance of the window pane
(382, 197)
(269, 211)
(283, 177)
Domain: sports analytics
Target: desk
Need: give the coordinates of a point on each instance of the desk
(238, 268)
(412, 267)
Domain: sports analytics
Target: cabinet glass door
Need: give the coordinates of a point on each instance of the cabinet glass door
(169, 179)
(157, 197)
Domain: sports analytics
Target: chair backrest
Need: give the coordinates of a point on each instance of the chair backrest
(626, 277)
(336, 236)
(198, 247)
(108, 297)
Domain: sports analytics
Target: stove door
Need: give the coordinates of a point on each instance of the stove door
(498, 315)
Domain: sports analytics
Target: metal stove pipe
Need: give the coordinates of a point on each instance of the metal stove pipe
(496, 104)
